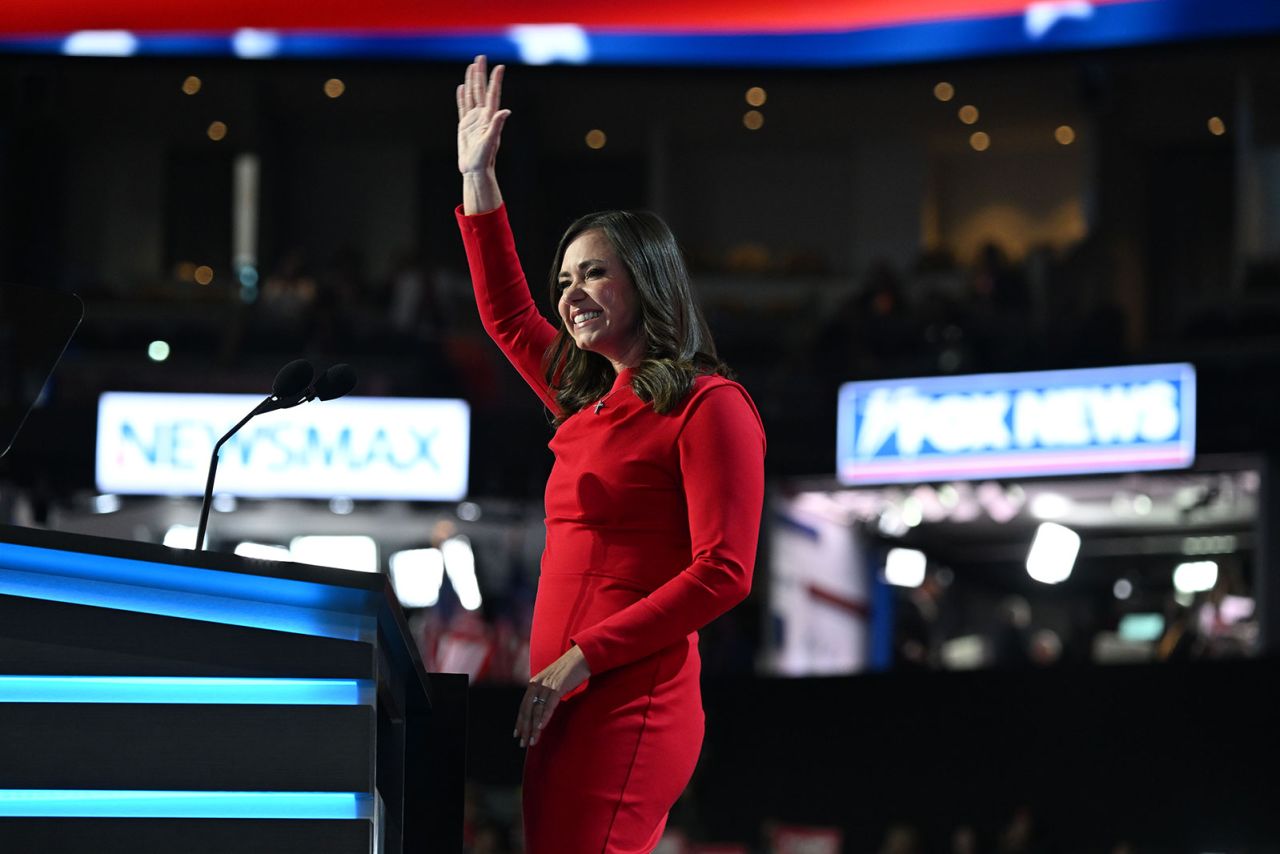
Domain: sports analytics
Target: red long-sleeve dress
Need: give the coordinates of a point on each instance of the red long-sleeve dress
(652, 524)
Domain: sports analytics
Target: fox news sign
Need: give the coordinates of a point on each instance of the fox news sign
(358, 447)
(1016, 425)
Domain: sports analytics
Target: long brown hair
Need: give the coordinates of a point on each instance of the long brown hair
(678, 345)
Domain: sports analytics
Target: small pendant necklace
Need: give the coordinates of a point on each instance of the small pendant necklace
(600, 403)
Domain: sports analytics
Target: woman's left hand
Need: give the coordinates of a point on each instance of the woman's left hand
(545, 690)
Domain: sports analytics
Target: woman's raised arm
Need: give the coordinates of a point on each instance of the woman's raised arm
(480, 124)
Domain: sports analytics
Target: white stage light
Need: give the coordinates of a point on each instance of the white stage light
(180, 537)
(912, 511)
(1122, 589)
(1195, 576)
(905, 567)
(100, 43)
(460, 564)
(1053, 553)
(416, 575)
(255, 44)
(262, 551)
(106, 503)
(1050, 505)
(357, 553)
(542, 44)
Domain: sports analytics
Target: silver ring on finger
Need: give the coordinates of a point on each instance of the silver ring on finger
(539, 699)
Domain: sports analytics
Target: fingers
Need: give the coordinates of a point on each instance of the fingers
(495, 88)
(477, 75)
(462, 101)
(542, 714)
(499, 119)
(535, 710)
(522, 717)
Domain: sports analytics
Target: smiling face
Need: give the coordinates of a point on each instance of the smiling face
(598, 301)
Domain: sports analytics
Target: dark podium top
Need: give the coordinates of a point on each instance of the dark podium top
(168, 699)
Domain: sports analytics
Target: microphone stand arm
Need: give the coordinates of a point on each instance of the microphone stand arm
(213, 469)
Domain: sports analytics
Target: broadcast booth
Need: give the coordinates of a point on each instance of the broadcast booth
(1014, 519)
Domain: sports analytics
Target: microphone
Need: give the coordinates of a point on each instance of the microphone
(335, 382)
(295, 383)
(289, 388)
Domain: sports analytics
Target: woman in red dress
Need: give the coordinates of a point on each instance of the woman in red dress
(652, 507)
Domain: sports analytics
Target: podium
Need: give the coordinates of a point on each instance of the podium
(163, 700)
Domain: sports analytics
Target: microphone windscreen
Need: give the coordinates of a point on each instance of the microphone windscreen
(335, 382)
(293, 379)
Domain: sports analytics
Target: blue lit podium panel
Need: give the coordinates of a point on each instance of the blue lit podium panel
(157, 699)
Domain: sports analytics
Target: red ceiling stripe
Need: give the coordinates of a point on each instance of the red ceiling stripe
(49, 16)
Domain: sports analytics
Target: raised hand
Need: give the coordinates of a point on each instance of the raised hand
(480, 120)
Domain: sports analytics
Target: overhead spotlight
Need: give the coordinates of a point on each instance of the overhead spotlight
(254, 44)
(1053, 553)
(100, 43)
(905, 567)
(1122, 589)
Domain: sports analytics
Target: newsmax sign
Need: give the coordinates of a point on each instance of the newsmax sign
(1016, 425)
(358, 447)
